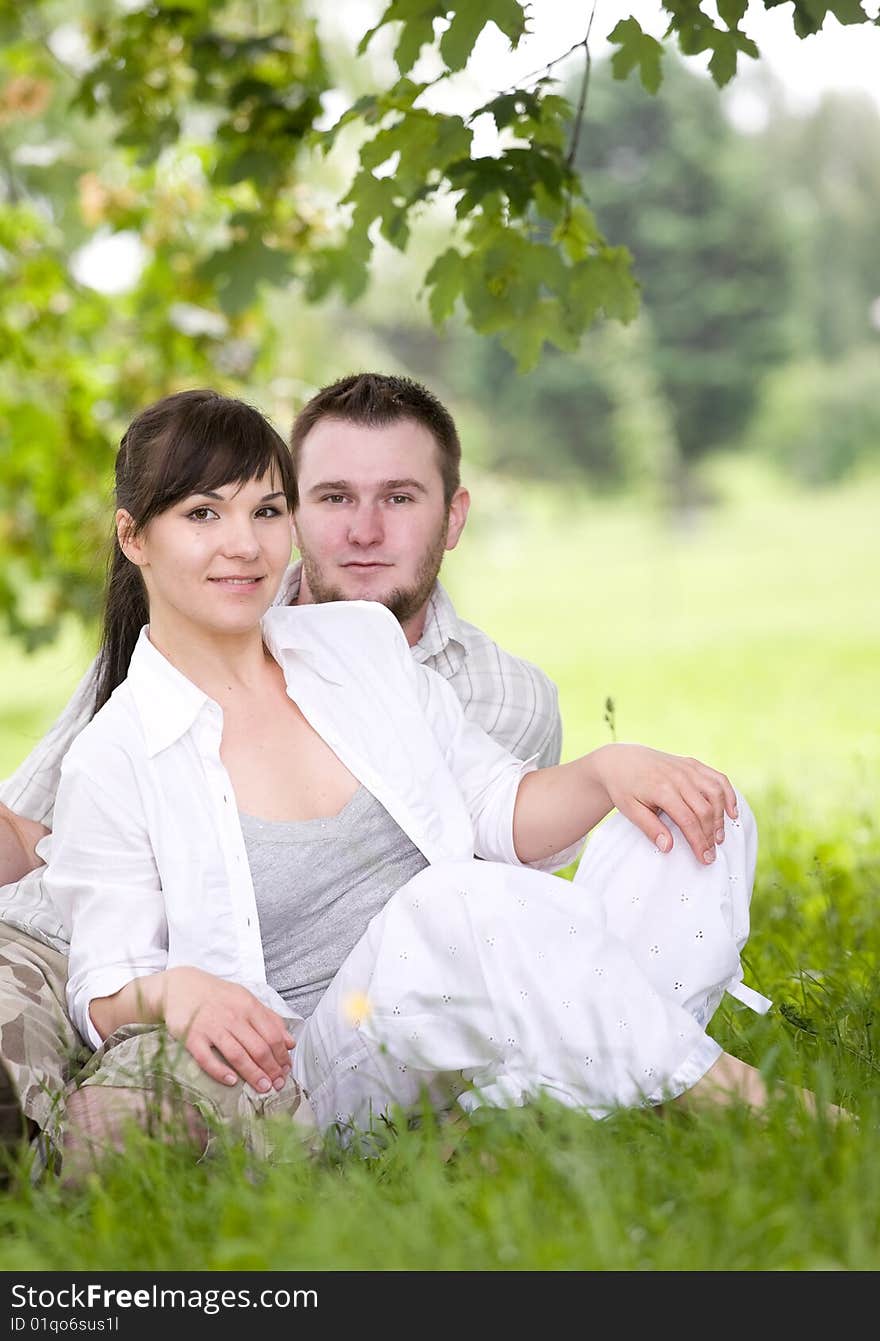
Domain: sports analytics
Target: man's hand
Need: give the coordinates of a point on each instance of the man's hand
(640, 782)
(18, 841)
(228, 1031)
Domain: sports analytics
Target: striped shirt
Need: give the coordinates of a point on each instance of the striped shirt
(512, 700)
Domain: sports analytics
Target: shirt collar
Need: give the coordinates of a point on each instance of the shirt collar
(166, 701)
(320, 635)
(442, 629)
(288, 592)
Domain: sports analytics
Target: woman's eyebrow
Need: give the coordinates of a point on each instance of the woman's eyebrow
(210, 493)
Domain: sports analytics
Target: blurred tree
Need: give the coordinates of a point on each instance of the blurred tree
(827, 168)
(699, 207)
(702, 207)
(187, 130)
(819, 419)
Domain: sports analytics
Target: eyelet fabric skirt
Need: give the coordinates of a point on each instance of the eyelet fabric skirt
(486, 984)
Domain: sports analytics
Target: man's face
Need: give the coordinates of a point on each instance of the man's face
(372, 523)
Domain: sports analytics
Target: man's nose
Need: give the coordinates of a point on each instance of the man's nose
(365, 526)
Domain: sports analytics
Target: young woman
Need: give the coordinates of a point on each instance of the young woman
(264, 849)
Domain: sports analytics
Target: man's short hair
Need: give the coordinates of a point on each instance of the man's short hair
(377, 399)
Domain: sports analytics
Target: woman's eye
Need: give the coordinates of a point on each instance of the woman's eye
(201, 514)
(269, 511)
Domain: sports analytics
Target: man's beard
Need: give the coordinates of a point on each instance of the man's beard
(403, 602)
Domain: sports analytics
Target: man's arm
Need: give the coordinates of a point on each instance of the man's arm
(28, 801)
(18, 842)
(509, 698)
(30, 791)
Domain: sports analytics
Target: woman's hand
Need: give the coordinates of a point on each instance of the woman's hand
(228, 1031)
(640, 782)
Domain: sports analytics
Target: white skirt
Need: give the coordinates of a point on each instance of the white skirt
(484, 983)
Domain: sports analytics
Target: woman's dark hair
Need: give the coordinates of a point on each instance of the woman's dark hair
(189, 443)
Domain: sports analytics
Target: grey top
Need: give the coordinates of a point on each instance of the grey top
(317, 885)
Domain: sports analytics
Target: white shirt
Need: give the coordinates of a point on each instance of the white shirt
(514, 701)
(510, 698)
(148, 865)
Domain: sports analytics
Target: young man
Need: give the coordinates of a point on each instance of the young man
(381, 502)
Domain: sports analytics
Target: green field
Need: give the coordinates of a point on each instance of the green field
(750, 637)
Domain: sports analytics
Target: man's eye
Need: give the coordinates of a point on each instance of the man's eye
(334, 498)
(400, 498)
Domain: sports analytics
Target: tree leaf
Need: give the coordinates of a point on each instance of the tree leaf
(847, 11)
(445, 280)
(732, 11)
(727, 46)
(238, 270)
(417, 19)
(457, 42)
(637, 48)
(416, 34)
(468, 22)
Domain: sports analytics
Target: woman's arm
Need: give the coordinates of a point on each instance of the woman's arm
(555, 805)
(541, 816)
(105, 883)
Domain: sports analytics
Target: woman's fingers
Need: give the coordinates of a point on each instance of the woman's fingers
(650, 823)
(243, 1055)
(704, 798)
(261, 1036)
(694, 826)
(209, 1060)
(720, 796)
(697, 829)
(241, 1060)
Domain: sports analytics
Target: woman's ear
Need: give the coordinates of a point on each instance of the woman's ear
(130, 542)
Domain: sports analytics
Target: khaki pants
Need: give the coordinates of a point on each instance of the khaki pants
(38, 1044)
(145, 1057)
(45, 1057)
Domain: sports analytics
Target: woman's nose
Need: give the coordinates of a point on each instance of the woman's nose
(240, 541)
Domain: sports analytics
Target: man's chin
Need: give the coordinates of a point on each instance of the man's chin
(402, 604)
(356, 591)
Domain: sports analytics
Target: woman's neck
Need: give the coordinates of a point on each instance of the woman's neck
(220, 664)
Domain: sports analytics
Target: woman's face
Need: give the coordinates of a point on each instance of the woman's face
(214, 561)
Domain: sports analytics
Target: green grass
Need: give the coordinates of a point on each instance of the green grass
(751, 640)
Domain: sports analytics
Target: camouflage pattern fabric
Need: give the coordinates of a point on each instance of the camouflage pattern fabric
(146, 1057)
(39, 1046)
